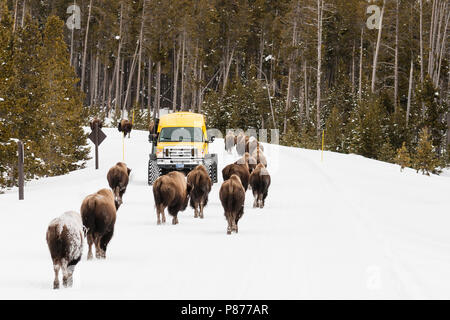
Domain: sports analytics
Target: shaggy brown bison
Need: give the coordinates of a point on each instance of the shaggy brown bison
(260, 182)
(118, 177)
(94, 121)
(248, 161)
(241, 171)
(98, 213)
(230, 141)
(65, 242)
(172, 192)
(241, 141)
(260, 157)
(200, 184)
(252, 144)
(232, 196)
(125, 126)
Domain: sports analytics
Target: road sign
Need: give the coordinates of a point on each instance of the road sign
(101, 136)
(97, 136)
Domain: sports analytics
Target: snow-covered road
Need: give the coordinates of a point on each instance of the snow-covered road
(347, 227)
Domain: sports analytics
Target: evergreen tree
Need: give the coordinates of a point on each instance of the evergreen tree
(65, 147)
(403, 158)
(425, 159)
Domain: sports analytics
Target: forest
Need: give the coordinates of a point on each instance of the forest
(371, 77)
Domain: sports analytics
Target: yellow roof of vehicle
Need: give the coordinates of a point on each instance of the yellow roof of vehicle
(182, 119)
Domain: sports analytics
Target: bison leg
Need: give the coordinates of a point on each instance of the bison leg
(56, 281)
(201, 210)
(234, 220)
(229, 217)
(175, 220)
(90, 240)
(255, 202)
(195, 211)
(99, 253)
(65, 273)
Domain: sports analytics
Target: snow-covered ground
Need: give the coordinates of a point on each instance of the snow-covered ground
(347, 227)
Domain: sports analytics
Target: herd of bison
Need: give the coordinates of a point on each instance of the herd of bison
(173, 191)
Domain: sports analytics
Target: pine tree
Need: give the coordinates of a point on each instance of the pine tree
(65, 147)
(425, 159)
(403, 158)
(387, 152)
(334, 132)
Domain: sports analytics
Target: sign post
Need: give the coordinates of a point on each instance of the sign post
(97, 136)
(20, 169)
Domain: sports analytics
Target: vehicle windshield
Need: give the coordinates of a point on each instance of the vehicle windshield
(181, 134)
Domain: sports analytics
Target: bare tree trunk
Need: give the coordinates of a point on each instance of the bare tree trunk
(353, 69)
(149, 84)
(105, 77)
(83, 66)
(118, 60)
(158, 89)
(15, 15)
(442, 50)
(130, 76)
(122, 75)
(200, 77)
(71, 40)
(360, 66)
(228, 58)
(261, 54)
(301, 101)
(306, 91)
(408, 108)
(141, 39)
(182, 72)
(23, 12)
(175, 77)
(377, 50)
(421, 41)
(396, 58)
(96, 78)
(319, 61)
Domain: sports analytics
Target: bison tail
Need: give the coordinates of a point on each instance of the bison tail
(88, 213)
(56, 244)
(159, 190)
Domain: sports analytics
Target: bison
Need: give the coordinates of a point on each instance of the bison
(200, 184)
(260, 182)
(172, 192)
(125, 126)
(65, 242)
(95, 121)
(252, 145)
(241, 171)
(241, 141)
(232, 196)
(118, 177)
(260, 157)
(98, 212)
(248, 161)
(230, 141)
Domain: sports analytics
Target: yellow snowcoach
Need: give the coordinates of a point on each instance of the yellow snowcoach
(180, 142)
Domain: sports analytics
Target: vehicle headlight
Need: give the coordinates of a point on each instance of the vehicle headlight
(159, 153)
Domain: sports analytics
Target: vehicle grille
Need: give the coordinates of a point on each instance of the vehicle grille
(178, 152)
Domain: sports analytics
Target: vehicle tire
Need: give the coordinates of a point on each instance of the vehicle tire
(153, 172)
(211, 165)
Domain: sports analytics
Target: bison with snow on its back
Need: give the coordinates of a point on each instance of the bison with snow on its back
(241, 141)
(260, 182)
(65, 242)
(200, 184)
(230, 141)
(118, 181)
(98, 212)
(171, 191)
(232, 196)
(125, 126)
